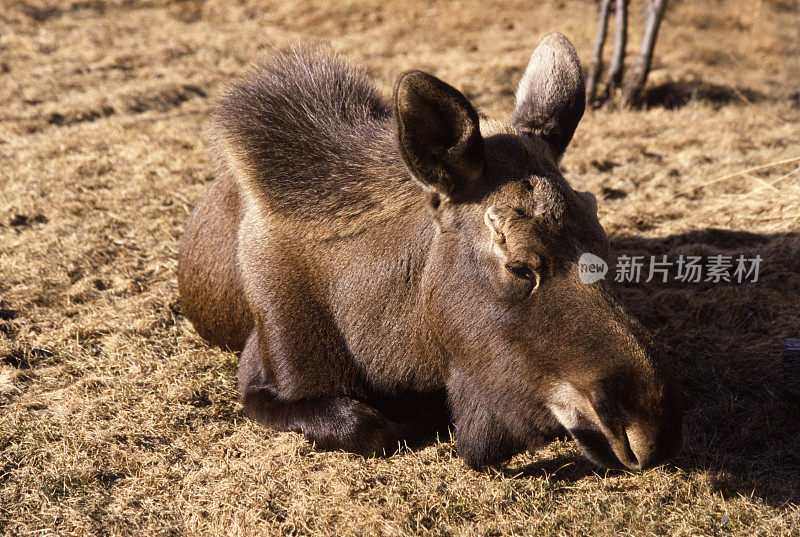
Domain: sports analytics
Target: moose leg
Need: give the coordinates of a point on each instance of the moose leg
(332, 422)
(208, 279)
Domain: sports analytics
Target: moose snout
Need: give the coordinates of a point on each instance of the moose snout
(613, 436)
(640, 445)
(650, 446)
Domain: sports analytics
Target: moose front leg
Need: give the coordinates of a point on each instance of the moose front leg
(332, 422)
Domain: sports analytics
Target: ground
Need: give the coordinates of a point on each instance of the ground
(117, 419)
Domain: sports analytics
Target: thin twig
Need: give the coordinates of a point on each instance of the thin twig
(771, 185)
(784, 176)
(784, 217)
(764, 183)
(768, 184)
(737, 174)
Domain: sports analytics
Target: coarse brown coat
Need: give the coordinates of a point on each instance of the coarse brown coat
(388, 269)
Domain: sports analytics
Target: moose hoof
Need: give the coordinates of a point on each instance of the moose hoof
(357, 428)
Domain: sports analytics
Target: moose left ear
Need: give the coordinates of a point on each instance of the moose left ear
(438, 132)
(551, 96)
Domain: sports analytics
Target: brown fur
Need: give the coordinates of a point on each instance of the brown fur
(387, 270)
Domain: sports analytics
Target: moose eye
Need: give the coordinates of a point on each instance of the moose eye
(520, 271)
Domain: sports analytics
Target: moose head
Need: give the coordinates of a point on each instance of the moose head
(533, 349)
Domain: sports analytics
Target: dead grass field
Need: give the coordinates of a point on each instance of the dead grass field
(116, 418)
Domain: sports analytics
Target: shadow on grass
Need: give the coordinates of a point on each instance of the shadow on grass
(564, 468)
(677, 93)
(725, 341)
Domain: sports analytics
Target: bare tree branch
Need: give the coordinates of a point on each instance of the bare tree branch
(614, 75)
(597, 53)
(655, 13)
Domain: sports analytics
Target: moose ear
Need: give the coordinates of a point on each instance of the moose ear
(551, 96)
(439, 133)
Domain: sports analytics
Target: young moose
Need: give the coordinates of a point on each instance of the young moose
(387, 269)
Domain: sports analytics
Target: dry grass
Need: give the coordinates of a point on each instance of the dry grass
(115, 418)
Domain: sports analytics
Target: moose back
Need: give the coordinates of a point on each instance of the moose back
(389, 268)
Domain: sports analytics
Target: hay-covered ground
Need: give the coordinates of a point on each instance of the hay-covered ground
(116, 418)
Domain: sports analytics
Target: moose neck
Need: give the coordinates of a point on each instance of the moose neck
(386, 261)
(365, 233)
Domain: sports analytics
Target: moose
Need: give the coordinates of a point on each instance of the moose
(385, 269)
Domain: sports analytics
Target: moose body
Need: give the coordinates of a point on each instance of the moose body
(388, 269)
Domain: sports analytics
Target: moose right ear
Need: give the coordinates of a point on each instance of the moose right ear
(438, 132)
(551, 97)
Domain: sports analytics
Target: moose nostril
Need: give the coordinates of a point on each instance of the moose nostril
(633, 462)
(644, 451)
(649, 450)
